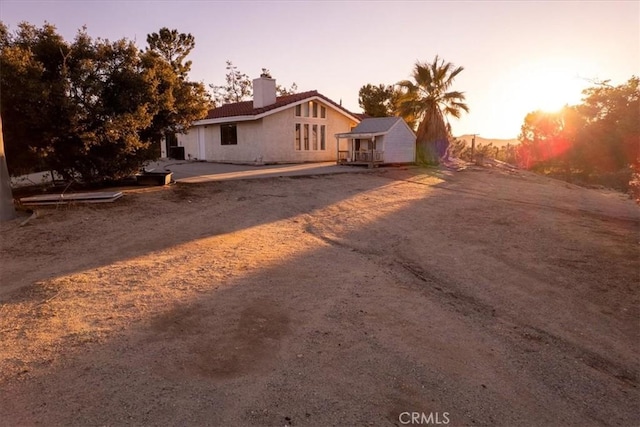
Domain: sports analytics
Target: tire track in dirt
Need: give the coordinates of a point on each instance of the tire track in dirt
(485, 314)
(484, 195)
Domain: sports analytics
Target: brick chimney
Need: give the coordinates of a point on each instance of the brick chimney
(264, 92)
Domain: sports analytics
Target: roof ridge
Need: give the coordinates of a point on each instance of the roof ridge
(245, 108)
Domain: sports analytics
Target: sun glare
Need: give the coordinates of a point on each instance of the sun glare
(546, 86)
(551, 89)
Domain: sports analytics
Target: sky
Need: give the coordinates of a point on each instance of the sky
(518, 56)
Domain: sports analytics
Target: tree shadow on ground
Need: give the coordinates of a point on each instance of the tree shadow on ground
(355, 309)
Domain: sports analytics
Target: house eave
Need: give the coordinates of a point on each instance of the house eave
(230, 119)
(246, 118)
(359, 135)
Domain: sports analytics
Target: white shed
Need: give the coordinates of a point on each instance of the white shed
(377, 140)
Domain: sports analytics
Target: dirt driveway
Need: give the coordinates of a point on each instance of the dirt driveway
(477, 298)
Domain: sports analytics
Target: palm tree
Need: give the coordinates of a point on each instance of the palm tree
(428, 101)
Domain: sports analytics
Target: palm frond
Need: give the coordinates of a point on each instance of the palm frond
(452, 111)
(461, 106)
(422, 75)
(455, 72)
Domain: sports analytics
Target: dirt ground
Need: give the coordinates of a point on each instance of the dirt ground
(480, 297)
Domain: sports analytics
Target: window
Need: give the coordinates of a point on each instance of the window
(309, 134)
(316, 141)
(314, 136)
(311, 109)
(171, 139)
(228, 134)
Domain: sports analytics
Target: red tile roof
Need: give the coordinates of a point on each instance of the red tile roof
(361, 116)
(245, 108)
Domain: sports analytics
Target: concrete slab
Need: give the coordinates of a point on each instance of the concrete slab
(199, 172)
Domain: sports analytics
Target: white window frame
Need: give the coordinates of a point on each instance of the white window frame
(314, 137)
(310, 115)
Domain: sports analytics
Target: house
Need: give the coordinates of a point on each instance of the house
(287, 129)
(376, 141)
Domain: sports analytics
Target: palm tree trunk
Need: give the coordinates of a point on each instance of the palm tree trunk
(432, 138)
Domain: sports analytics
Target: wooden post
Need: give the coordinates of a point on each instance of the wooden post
(473, 146)
(7, 211)
(371, 153)
(373, 158)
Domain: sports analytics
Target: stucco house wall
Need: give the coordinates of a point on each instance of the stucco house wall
(280, 136)
(271, 139)
(246, 150)
(189, 141)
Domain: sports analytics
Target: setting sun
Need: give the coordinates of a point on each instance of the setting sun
(548, 86)
(536, 84)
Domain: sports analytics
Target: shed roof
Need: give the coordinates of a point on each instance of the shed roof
(376, 125)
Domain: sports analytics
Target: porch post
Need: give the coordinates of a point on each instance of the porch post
(352, 149)
(337, 150)
(373, 141)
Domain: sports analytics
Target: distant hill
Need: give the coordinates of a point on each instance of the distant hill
(486, 141)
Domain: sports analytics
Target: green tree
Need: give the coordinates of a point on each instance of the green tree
(280, 90)
(377, 101)
(611, 138)
(284, 91)
(90, 109)
(109, 100)
(33, 94)
(597, 141)
(597, 136)
(237, 87)
(546, 138)
(429, 101)
(179, 101)
(173, 47)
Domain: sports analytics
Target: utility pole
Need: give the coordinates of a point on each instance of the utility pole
(7, 211)
(473, 144)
